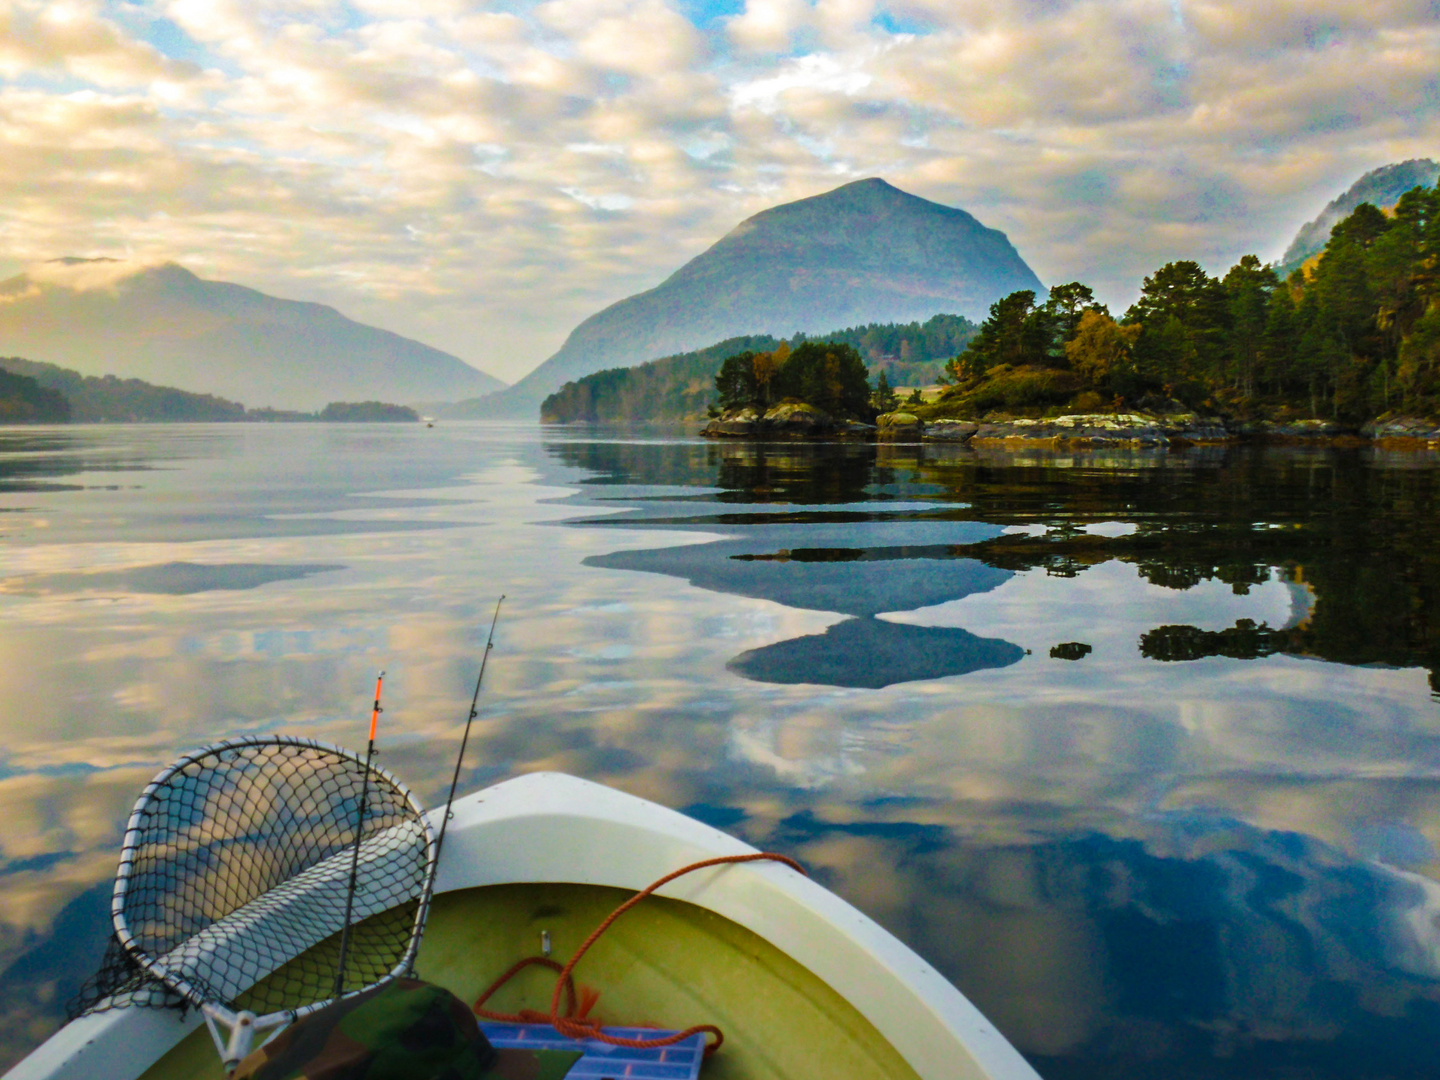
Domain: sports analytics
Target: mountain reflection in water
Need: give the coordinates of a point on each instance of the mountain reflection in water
(861, 581)
(1142, 750)
(1341, 527)
(872, 654)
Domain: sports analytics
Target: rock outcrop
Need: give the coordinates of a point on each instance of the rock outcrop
(1078, 431)
(951, 430)
(735, 422)
(1105, 429)
(1403, 430)
(787, 419)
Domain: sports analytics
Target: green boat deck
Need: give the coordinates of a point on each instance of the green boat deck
(665, 963)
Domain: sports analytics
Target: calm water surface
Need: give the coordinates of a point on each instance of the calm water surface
(1142, 750)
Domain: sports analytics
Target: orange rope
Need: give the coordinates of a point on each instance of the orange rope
(524, 1016)
(575, 1025)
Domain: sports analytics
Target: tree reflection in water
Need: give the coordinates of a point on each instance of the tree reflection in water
(1123, 930)
(1206, 847)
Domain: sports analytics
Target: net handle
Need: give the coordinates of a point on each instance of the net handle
(134, 831)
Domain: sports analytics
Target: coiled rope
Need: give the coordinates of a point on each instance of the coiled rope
(576, 1023)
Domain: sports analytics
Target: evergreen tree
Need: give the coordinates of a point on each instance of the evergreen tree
(1276, 363)
(1067, 303)
(828, 375)
(1183, 314)
(884, 399)
(1248, 286)
(1016, 333)
(735, 382)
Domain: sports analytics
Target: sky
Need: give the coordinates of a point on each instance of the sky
(482, 176)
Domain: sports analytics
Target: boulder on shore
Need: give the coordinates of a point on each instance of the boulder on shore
(899, 425)
(797, 418)
(951, 430)
(1403, 428)
(1187, 427)
(733, 422)
(1078, 430)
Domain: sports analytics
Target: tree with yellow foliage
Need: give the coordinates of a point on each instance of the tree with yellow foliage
(1101, 348)
(766, 367)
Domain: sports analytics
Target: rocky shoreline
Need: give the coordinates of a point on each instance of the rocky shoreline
(1079, 430)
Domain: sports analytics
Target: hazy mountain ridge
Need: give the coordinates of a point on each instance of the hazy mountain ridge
(1380, 187)
(862, 253)
(165, 325)
(101, 399)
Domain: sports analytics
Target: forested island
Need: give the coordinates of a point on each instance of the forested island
(1350, 338)
(682, 387)
(38, 393)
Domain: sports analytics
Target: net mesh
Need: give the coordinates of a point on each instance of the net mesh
(234, 878)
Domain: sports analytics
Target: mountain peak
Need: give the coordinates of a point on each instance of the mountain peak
(874, 187)
(860, 253)
(1381, 187)
(869, 196)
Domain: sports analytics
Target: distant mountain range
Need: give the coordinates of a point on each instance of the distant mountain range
(36, 392)
(1380, 187)
(165, 325)
(863, 253)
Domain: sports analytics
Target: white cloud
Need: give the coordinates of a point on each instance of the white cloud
(73, 36)
(600, 202)
(485, 179)
(815, 74)
(86, 276)
(770, 25)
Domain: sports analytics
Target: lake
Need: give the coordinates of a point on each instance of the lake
(1141, 749)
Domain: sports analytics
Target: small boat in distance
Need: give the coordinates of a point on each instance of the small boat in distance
(803, 985)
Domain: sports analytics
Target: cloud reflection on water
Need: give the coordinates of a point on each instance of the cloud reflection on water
(1131, 865)
(173, 579)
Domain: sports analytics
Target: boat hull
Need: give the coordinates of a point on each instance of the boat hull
(748, 946)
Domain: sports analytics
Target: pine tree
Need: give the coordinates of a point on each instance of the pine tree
(884, 399)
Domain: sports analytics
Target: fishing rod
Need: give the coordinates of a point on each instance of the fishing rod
(359, 834)
(455, 778)
(465, 738)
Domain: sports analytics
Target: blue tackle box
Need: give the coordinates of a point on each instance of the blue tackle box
(603, 1061)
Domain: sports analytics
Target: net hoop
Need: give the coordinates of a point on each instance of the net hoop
(134, 836)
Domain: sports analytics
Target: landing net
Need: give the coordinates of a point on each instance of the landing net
(234, 876)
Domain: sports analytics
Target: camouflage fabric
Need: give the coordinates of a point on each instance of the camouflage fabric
(405, 1030)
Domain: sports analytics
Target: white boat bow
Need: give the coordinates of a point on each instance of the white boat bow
(553, 828)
